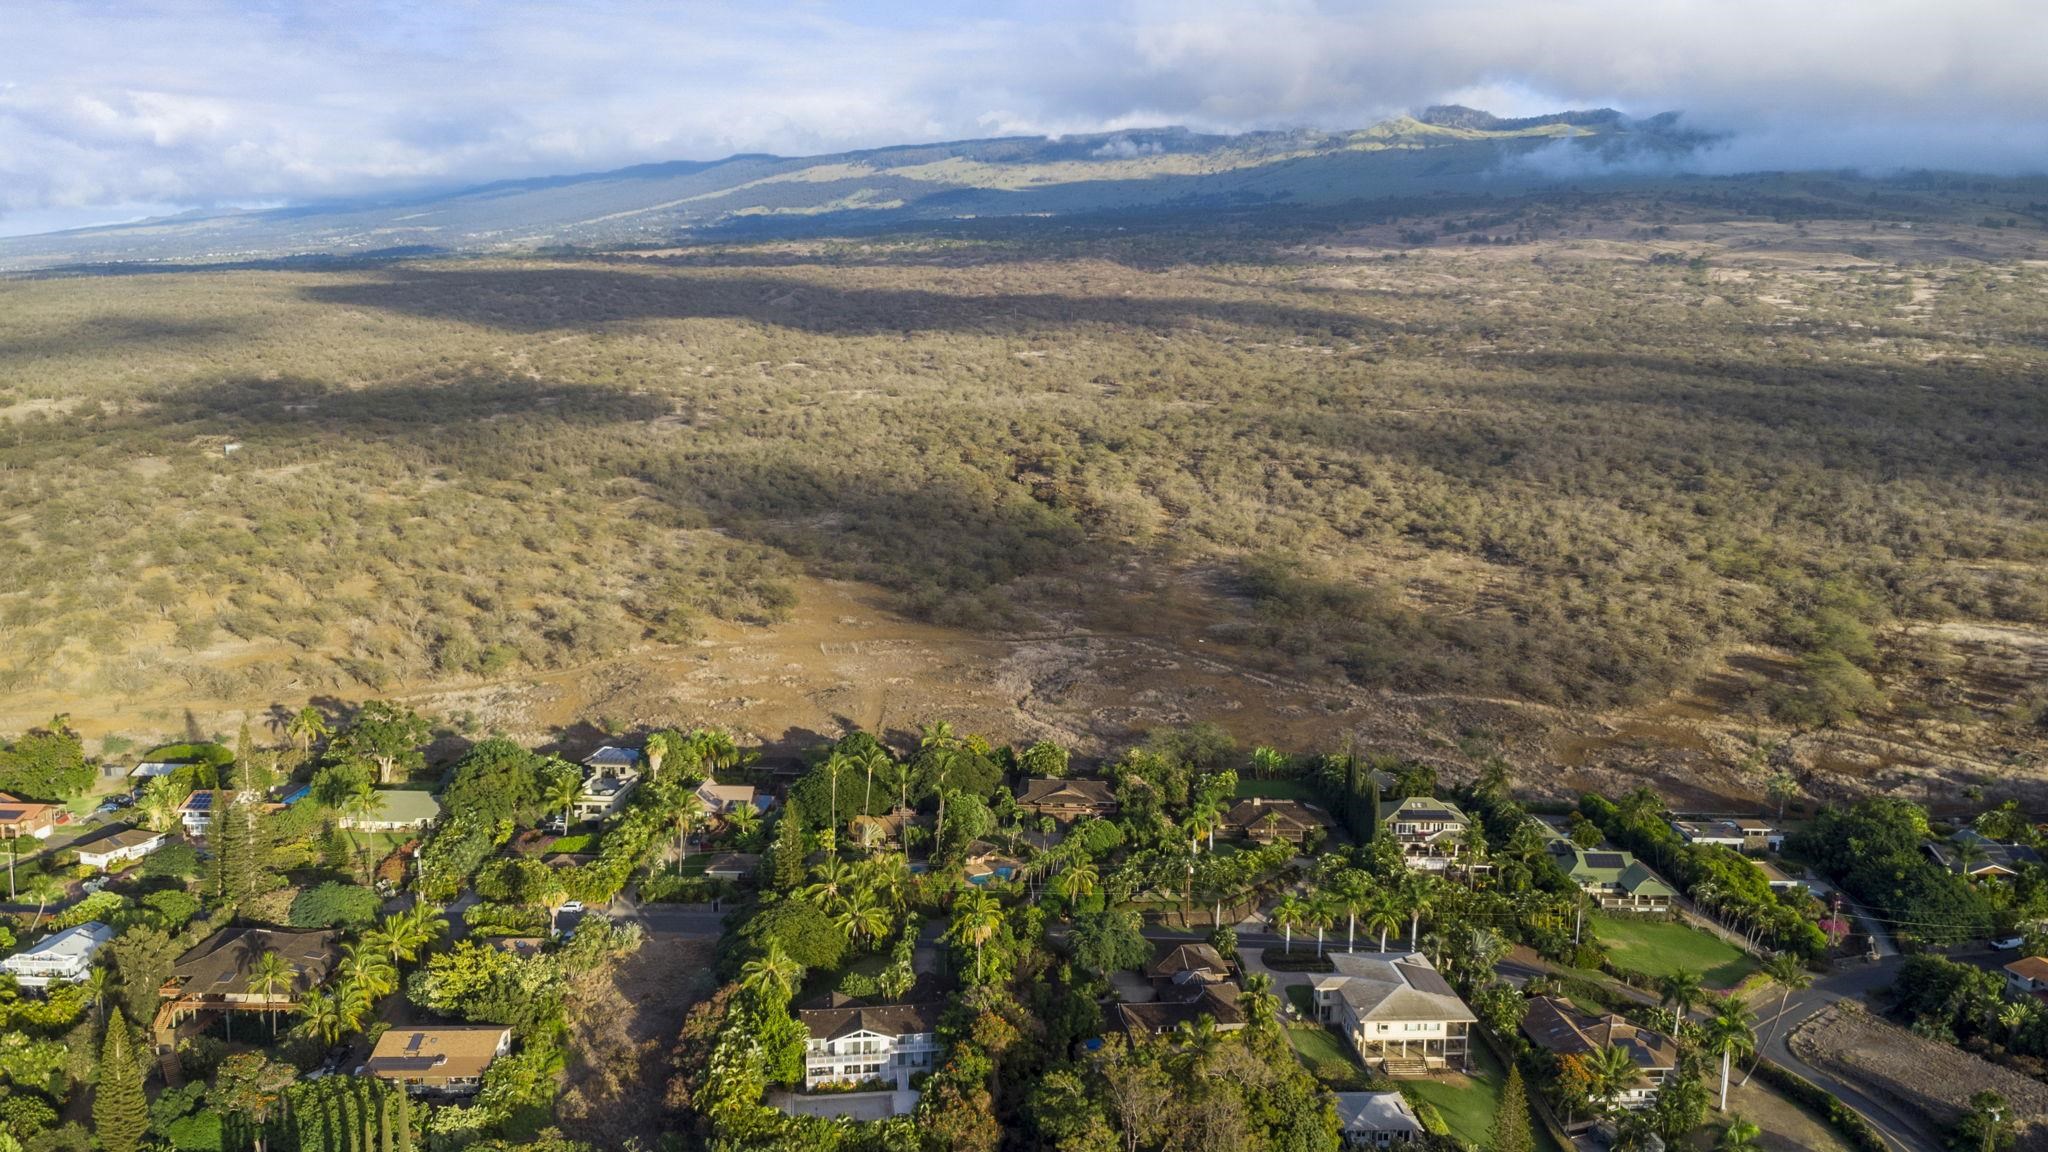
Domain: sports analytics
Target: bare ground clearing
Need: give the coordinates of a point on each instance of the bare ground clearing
(620, 1027)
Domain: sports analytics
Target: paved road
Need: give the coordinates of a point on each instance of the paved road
(696, 921)
(1851, 980)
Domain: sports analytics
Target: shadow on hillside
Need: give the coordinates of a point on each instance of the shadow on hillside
(542, 299)
(105, 333)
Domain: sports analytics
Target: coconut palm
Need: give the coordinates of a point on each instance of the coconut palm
(1289, 914)
(1351, 890)
(689, 813)
(1612, 1072)
(1203, 817)
(367, 970)
(1383, 915)
(409, 932)
(271, 975)
(1731, 1032)
(161, 799)
(1260, 1007)
(1488, 946)
(976, 920)
(774, 969)
(657, 749)
(1789, 973)
(833, 878)
(552, 898)
(862, 917)
(1321, 912)
(1078, 879)
(324, 1015)
(2012, 1018)
(45, 891)
(937, 734)
(1679, 992)
(1418, 895)
(875, 757)
(741, 818)
(306, 728)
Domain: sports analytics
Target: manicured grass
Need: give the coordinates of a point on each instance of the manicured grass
(1467, 1103)
(1655, 948)
(1303, 999)
(1275, 790)
(1327, 1058)
(580, 842)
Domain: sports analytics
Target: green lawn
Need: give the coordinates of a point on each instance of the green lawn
(1467, 1103)
(1304, 1000)
(1655, 948)
(1275, 790)
(1327, 1058)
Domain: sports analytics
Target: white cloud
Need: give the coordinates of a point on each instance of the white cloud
(208, 101)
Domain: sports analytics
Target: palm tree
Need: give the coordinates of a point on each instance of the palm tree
(1731, 1031)
(1260, 1008)
(833, 877)
(976, 920)
(560, 792)
(552, 900)
(1741, 1136)
(772, 969)
(1418, 894)
(1613, 1072)
(689, 812)
(715, 747)
(875, 757)
(306, 728)
(358, 807)
(657, 749)
(862, 917)
(1351, 890)
(1488, 946)
(161, 799)
(937, 734)
(1289, 915)
(834, 764)
(367, 970)
(1203, 817)
(1321, 912)
(1790, 975)
(1679, 992)
(742, 818)
(1382, 915)
(45, 891)
(2012, 1018)
(324, 1014)
(409, 932)
(97, 979)
(1078, 879)
(272, 974)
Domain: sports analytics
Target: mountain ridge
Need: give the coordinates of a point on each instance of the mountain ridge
(1446, 148)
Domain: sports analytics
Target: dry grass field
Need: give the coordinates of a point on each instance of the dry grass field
(1653, 485)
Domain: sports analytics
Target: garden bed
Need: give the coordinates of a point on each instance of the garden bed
(1299, 960)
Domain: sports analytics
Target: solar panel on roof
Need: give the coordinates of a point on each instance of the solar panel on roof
(1605, 860)
(1425, 979)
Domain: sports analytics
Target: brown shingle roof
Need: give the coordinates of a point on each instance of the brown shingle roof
(1081, 793)
(1189, 958)
(1217, 1001)
(220, 966)
(881, 1019)
(1560, 1027)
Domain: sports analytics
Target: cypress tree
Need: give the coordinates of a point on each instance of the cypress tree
(404, 1120)
(787, 860)
(1511, 1131)
(120, 1112)
(384, 1123)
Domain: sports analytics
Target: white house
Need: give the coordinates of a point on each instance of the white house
(857, 1044)
(1560, 1028)
(609, 776)
(719, 799)
(60, 958)
(127, 842)
(1376, 1120)
(1397, 1011)
(2027, 976)
(152, 768)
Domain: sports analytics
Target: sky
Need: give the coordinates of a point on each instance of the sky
(116, 109)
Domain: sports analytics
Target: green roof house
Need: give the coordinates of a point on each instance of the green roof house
(397, 811)
(1619, 880)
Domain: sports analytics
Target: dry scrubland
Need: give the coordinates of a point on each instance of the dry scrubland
(1623, 514)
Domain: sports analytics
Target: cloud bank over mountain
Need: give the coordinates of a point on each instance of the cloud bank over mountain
(205, 102)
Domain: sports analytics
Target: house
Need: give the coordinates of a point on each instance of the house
(1396, 1011)
(149, 769)
(59, 958)
(1973, 854)
(1558, 1027)
(2027, 976)
(718, 799)
(1619, 880)
(1267, 821)
(735, 866)
(218, 973)
(609, 776)
(448, 1060)
(869, 831)
(1781, 880)
(1066, 800)
(1376, 1120)
(1557, 837)
(854, 1043)
(1183, 1003)
(20, 818)
(1428, 831)
(199, 809)
(1180, 963)
(1743, 835)
(397, 811)
(121, 843)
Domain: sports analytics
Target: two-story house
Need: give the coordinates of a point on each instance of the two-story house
(60, 958)
(1397, 1012)
(609, 776)
(1559, 1028)
(855, 1043)
(1428, 831)
(1619, 880)
(1067, 800)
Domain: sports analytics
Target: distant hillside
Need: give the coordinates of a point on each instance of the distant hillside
(1443, 149)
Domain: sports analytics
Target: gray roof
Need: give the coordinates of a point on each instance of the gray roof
(1394, 988)
(118, 838)
(1376, 1112)
(882, 1019)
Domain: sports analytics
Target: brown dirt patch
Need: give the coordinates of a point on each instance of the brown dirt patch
(1933, 1079)
(620, 1026)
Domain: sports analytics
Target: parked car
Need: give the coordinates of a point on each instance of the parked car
(2009, 943)
(572, 906)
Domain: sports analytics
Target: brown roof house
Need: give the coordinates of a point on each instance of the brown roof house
(1558, 1027)
(446, 1060)
(854, 1042)
(1183, 1003)
(25, 818)
(1266, 821)
(220, 975)
(1065, 800)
